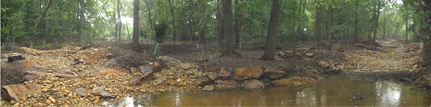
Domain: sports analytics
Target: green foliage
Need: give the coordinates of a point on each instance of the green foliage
(160, 32)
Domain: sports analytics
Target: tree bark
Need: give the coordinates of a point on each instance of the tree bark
(269, 53)
(228, 49)
(238, 26)
(81, 18)
(425, 33)
(384, 27)
(318, 23)
(135, 41)
(329, 32)
(173, 21)
(407, 25)
(356, 27)
(149, 14)
(201, 22)
(376, 26)
(119, 20)
(220, 29)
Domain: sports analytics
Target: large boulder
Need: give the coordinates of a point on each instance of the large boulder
(293, 81)
(252, 84)
(208, 88)
(243, 73)
(224, 73)
(203, 80)
(324, 65)
(212, 75)
(275, 73)
(18, 92)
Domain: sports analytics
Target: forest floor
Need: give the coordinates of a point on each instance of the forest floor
(86, 77)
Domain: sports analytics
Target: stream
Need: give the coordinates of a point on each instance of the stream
(329, 92)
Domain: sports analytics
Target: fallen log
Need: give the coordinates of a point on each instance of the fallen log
(370, 47)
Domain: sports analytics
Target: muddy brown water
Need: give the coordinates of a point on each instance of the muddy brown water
(329, 92)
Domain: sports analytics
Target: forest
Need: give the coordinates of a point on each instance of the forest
(204, 52)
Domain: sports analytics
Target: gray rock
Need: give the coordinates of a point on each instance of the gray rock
(106, 94)
(82, 92)
(112, 62)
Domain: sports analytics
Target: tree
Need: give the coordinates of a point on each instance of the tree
(425, 31)
(173, 21)
(376, 20)
(81, 18)
(118, 21)
(329, 32)
(356, 26)
(135, 41)
(228, 49)
(318, 23)
(238, 26)
(269, 53)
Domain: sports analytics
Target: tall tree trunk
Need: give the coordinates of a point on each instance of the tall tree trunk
(356, 27)
(173, 21)
(81, 18)
(149, 14)
(135, 41)
(376, 23)
(425, 33)
(119, 20)
(238, 26)
(220, 28)
(294, 30)
(384, 27)
(329, 32)
(269, 53)
(407, 25)
(201, 22)
(228, 49)
(318, 23)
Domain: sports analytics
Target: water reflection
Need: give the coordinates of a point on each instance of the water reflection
(388, 94)
(331, 92)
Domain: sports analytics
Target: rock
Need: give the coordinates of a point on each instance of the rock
(324, 65)
(91, 60)
(252, 84)
(293, 81)
(226, 82)
(275, 73)
(425, 80)
(106, 72)
(30, 65)
(224, 73)
(65, 71)
(82, 92)
(31, 75)
(208, 88)
(19, 92)
(309, 55)
(65, 75)
(212, 75)
(243, 73)
(149, 69)
(106, 94)
(203, 80)
(52, 99)
(112, 62)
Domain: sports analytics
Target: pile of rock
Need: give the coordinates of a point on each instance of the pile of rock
(251, 78)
